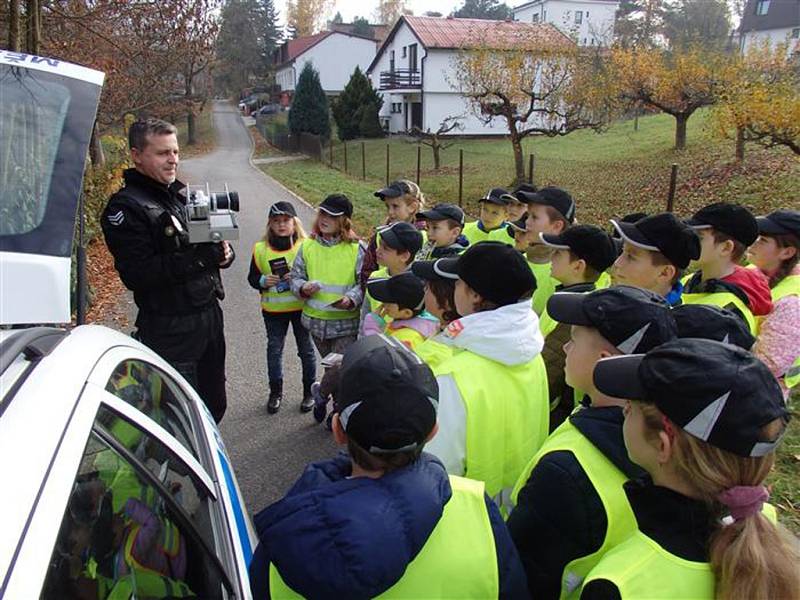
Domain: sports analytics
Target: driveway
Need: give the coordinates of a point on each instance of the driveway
(268, 451)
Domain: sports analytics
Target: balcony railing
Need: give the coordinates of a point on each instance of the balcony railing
(400, 78)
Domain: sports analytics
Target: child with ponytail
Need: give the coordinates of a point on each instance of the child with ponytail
(270, 265)
(703, 418)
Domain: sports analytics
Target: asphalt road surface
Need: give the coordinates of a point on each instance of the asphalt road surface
(268, 451)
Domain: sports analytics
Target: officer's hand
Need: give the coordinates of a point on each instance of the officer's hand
(227, 255)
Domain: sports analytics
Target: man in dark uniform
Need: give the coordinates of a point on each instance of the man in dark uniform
(176, 285)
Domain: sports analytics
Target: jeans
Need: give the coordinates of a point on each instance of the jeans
(277, 325)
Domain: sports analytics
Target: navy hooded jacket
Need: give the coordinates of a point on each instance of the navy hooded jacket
(335, 537)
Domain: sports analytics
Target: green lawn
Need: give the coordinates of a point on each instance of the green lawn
(206, 135)
(786, 475)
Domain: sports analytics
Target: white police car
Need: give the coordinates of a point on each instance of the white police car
(116, 482)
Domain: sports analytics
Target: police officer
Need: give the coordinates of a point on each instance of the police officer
(176, 285)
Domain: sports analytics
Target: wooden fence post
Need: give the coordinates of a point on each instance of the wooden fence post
(673, 180)
(387, 164)
(344, 146)
(460, 175)
(363, 162)
(419, 159)
(530, 168)
(330, 154)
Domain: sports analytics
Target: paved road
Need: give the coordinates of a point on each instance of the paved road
(268, 451)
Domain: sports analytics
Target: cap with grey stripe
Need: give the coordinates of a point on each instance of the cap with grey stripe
(717, 392)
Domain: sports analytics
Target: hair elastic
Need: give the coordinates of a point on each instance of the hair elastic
(744, 500)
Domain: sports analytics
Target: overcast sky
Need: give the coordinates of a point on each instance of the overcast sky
(365, 8)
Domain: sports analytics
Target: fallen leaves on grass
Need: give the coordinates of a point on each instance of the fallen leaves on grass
(105, 288)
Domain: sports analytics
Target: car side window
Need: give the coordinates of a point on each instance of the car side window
(154, 393)
(124, 535)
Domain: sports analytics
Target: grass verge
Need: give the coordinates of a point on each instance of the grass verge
(205, 134)
(785, 477)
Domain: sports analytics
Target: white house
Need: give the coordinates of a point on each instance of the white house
(588, 22)
(414, 71)
(773, 20)
(335, 54)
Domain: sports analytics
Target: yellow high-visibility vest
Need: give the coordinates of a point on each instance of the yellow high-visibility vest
(334, 267)
(273, 301)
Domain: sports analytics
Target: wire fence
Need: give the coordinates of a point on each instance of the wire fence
(604, 186)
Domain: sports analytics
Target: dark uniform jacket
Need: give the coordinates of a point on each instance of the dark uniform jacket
(144, 225)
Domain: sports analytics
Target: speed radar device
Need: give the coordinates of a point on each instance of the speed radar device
(211, 216)
(47, 112)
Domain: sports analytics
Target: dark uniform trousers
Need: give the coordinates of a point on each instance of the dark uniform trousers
(176, 284)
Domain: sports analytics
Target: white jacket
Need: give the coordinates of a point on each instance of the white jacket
(509, 335)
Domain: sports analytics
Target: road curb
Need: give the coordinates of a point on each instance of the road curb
(264, 175)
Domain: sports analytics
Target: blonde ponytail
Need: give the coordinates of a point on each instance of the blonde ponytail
(751, 557)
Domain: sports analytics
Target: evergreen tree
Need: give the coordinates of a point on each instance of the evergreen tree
(483, 9)
(271, 32)
(361, 27)
(703, 22)
(337, 18)
(369, 124)
(347, 108)
(238, 44)
(309, 111)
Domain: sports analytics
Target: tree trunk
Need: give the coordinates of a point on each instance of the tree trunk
(13, 25)
(34, 27)
(436, 156)
(740, 143)
(191, 129)
(680, 131)
(519, 163)
(96, 154)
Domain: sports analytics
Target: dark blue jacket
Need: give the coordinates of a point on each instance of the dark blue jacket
(334, 537)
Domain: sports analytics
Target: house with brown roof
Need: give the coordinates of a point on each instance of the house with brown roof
(335, 54)
(774, 20)
(414, 69)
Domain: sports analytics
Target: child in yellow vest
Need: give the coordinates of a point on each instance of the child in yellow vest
(776, 253)
(384, 520)
(655, 253)
(272, 261)
(569, 505)
(494, 408)
(703, 418)
(443, 224)
(550, 210)
(492, 222)
(325, 275)
(580, 255)
(725, 231)
(402, 300)
(439, 303)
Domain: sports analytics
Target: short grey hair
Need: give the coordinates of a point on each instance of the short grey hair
(137, 134)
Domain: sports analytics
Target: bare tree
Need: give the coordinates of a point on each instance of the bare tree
(434, 139)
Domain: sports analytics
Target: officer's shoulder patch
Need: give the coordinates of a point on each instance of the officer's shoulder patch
(116, 218)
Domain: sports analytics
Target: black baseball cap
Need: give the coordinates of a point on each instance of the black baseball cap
(401, 236)
(629, 218)
(632, 319)
(282, 208)
(780, 222)
(337, 205)
(519, 192)
(495, 270)
(406, 290)
(393, 190)
(495, 196)
(662, 233)
(588, 242)
(731, 219)
(440, 212)
(711, 322)
(716, 392)
(554, 197)
(387, 398)
(429, 270)
(518, 225)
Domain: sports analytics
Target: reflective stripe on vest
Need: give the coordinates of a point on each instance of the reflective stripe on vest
(789, 286)
(146, 584)
(508, 415)
(334, 267)
(434, 352)
(640, 568)
(545, 285)
(607, 481)
(459, 559)
(272, 300)
(723, 300)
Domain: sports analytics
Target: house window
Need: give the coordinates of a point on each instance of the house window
(762, 7)
(397, 108)
(536, 18)
(404, 51)
(578, 17)
(391, 61)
